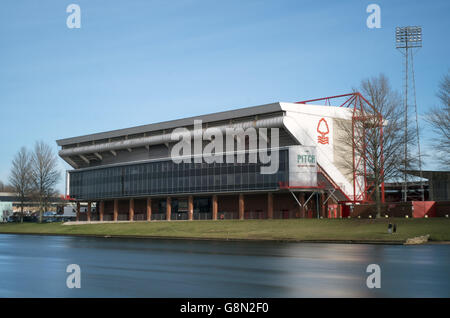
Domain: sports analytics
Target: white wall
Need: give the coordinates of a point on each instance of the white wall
(302, 121)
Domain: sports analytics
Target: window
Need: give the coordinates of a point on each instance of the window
(166, 177)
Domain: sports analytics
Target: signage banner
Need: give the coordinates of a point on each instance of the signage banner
(302, 166)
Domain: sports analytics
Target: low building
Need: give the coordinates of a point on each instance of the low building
(11, 202)
(438, 183)
(394, 191)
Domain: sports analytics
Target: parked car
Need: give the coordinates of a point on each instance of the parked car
(30, 218)
(26, 218)
(12, 218)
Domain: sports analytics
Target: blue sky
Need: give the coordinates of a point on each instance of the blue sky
(139, 62)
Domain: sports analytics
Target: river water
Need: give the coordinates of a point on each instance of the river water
(35, 266)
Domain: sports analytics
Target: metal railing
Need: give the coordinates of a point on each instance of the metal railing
(255, 215)
(202, 216)
(227, 216)
(251, 215)
(179, 216)
(140, 217)
(285, 214)
(158, 216)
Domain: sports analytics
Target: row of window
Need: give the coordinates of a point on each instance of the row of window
(167, 177)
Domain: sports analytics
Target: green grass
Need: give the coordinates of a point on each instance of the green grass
(294, 229)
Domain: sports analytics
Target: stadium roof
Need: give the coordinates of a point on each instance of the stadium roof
(214, 117)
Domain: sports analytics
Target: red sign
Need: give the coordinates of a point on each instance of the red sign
(322, 129)
(66, 197)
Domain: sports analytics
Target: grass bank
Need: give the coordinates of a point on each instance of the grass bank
(359, 230)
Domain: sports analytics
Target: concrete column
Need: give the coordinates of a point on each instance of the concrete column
(168, 208)
(270, 205)
(78, 211)
(191, 207)
(102, 209)
(89, 212)
(149, 209)
(323, 205)
(131, 210)
(302, 201)
(241, 206)
(214, 207)
(116, 209)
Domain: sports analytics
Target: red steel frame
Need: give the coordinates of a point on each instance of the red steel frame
(360, 106)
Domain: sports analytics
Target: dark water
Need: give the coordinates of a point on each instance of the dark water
(35, 266)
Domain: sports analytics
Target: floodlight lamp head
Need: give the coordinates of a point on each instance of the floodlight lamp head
(408, 37)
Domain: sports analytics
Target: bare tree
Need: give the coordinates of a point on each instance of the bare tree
(45, 174)
(5, 187)
(20, 177)
(439, 119)
(383, 153)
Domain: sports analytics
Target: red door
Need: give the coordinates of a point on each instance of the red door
(332, 211)
(345, 210)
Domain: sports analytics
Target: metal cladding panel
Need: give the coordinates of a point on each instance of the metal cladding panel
(208, 118)
(302, 166)
(165, 138)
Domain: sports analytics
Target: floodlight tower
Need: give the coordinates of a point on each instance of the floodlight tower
(407, 39)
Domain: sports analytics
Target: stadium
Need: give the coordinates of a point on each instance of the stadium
(132, 174)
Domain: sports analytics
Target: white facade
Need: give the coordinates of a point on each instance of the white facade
(315, 126)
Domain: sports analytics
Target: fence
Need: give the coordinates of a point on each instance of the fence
(442, 208)
(140, 217)
(158, 216)
(397, 209)
(179, 216)
(285, 214)
(227, 215)
(255, 215)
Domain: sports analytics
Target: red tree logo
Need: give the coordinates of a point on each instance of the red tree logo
(323, 130)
